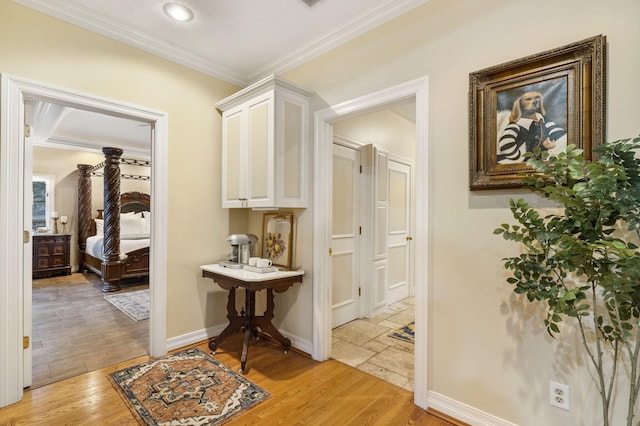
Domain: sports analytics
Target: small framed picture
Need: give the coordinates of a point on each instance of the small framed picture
(547, 101)
(277, 238)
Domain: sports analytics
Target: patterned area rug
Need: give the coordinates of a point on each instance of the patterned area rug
(405, 333)
(133, 303)
(186, 388)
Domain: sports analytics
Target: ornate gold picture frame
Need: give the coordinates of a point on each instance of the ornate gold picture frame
(550, 99)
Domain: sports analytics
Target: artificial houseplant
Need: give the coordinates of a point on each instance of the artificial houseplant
(583, 262)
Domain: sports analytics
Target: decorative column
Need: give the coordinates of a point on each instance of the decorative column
(84, 208)
(111, 262)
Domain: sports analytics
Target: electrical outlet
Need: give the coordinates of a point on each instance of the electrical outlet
(559, 395)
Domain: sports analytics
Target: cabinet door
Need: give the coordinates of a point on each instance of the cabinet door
(232, 165)
(260, 147)
(291, 151)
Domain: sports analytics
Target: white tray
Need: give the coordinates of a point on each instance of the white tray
(260, 270)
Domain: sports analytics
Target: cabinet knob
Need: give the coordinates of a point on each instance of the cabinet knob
(409, 238)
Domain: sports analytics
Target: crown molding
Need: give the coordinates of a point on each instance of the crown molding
(266, 84)
(383, 11)
(84, 18)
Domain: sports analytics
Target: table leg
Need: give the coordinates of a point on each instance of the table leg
(264, 322)
(245, 350)
(236, 321)
(249, 326)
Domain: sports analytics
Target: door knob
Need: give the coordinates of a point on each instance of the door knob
(409, 238)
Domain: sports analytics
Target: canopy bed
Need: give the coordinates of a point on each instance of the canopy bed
(115, 244)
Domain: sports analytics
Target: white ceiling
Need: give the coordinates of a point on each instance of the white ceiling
(86, 130)
(239, 41)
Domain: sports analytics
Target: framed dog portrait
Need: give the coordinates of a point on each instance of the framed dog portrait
(277, 238)
(547, 100)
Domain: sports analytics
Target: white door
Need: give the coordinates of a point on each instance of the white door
(345, 235)
(399, 237)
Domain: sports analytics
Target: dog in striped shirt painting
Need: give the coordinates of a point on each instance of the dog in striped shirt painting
(525, 128)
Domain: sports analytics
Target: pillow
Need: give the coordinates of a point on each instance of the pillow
(147, 222)
(131, 225)
(99, 226)
(128, 225)
(131, 214)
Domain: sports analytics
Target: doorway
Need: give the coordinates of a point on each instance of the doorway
(418, 89)
(69, 310)
(377, 337)
(15, 247)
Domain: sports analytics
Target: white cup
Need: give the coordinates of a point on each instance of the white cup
(253, 261)
(263, 263)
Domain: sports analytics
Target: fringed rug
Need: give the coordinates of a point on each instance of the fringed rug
(186, 388)
(406, 333)
(133, 303)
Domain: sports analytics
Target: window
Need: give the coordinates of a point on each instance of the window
(43, 201)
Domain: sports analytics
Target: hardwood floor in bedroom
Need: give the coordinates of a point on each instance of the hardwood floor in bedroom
(76, 330)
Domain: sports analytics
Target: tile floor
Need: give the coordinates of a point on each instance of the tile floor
(365, 345)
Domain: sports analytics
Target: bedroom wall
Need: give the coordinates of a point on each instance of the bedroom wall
(41, 48)
(487, 348)
(62, 163)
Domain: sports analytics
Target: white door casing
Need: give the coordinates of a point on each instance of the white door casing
(323, 141)
(28, 245)
(13, 93)
(345, 245)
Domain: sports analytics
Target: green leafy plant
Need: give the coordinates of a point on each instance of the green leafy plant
(583, 263)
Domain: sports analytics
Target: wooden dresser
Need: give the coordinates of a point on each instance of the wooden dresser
(51, 255)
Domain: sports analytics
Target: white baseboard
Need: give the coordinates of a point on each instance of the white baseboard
(297, 342)
(464, 412)
(194, 337)
(204, 334)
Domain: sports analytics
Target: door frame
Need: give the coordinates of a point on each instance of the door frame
(323, 140)
(13, 93)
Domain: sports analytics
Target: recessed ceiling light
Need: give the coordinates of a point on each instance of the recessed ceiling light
(178, 11)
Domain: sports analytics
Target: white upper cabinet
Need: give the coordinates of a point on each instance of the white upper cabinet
(265, 146)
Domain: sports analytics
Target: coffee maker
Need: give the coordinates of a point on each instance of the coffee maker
(242, 248)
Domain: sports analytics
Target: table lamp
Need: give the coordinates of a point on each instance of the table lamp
(64, 220)
(55, 216)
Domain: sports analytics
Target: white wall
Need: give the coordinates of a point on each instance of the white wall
(487, 348)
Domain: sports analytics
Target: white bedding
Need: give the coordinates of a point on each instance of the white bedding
(95, 245)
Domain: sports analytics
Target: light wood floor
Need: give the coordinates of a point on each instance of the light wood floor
(304, 392)
(76, 330)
